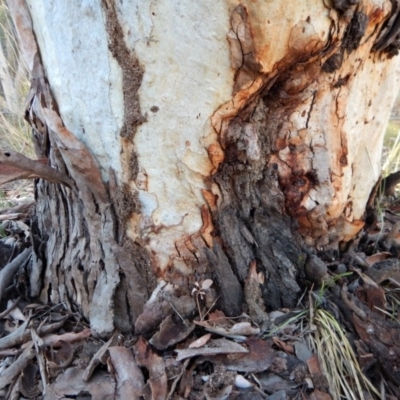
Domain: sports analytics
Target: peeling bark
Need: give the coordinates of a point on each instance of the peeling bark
(78, 260)
(194, 150)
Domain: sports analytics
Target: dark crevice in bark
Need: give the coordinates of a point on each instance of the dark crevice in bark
(252, 221)
(229, 286)
(256, 216)
(77, 254)
(388, 40)
(125, 200)
(132, 71)
(355, 31)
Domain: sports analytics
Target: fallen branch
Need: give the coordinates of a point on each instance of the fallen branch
(7, 273)
(19, 209)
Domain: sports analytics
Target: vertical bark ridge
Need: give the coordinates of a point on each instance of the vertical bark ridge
(76, 250)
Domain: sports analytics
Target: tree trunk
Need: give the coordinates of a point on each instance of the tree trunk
(200, 138)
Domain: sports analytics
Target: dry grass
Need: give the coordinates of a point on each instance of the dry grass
(329, 341)
(391, 156)
(14, 131)
(338, 360)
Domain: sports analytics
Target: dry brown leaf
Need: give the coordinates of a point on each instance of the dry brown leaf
(186, 383)
(372, 293)
(282, 345)
(14, 165)
(17, 366)
(129, 377)
(15, 313)
(219, 318)
(378, 257)
(313, 365)
(170, 333)
(259, 357)
(145, 357)
(238, 331)
(217, 346)
(97, 359)
(71, 337)
(383, 270)
(60, 358)
(200, 341)
(71, 383)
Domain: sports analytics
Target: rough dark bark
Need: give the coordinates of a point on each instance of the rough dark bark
(268, 135)
(78, 259)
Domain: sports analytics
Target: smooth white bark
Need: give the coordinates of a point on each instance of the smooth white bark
(187, 98)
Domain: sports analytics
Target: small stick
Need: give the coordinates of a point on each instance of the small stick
(7, 273)
(9, 309)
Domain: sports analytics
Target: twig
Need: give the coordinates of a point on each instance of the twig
(70, 337)
(39, 356)
(177, 312)
(198, 306)
(394, 282)
(351, 305)
(176, 380)
(212, 305)
(96, 359)
(17, 366)
(7, 273)
(22, 335)
(17, 337)
(9, 309)
(9, 352)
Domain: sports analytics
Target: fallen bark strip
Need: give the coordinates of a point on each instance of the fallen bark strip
(6, 217)
(70, 337)
(17, 366)
(219, 346)
(22, 335)
(9, 352)
(97, 359)
(130, 380)
(37, 341)
(31, 168)
(15, 338)
(7, 273)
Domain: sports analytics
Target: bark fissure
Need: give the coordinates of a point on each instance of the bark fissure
(125, 199)
(311, 108)
(83, 258)
(276, 179)
(132, 71)
(269, 159)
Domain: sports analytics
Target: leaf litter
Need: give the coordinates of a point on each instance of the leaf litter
(343, 340)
